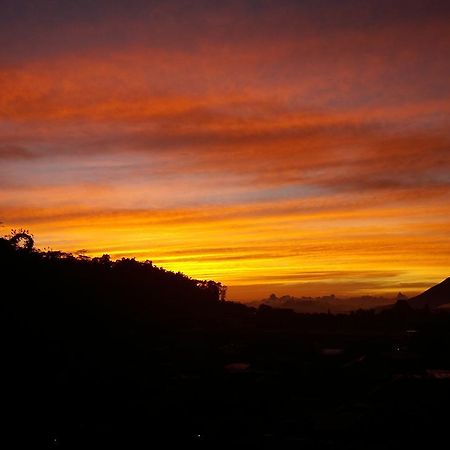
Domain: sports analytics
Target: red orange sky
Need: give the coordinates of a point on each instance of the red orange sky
(295, 147)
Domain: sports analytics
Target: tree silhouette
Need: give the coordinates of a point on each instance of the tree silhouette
(22, 239)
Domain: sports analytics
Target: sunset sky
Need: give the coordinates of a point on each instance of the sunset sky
(295, 147)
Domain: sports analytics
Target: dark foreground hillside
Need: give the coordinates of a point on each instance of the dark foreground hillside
(98, 353)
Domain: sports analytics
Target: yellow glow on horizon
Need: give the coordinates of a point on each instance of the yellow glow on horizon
(343, 252)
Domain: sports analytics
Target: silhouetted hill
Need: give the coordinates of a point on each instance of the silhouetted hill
(434, 297)
(80, 283)
(99, 353)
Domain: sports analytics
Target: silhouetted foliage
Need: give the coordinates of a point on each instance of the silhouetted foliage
(70, 275)
(101, 353)
(21, 239)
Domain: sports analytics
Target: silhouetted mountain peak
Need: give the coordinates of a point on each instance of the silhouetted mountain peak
(434, 297)
(402, 306)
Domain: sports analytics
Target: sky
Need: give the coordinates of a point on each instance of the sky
(294, 147)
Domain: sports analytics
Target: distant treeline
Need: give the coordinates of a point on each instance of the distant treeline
(55, 288)
(46, 274)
